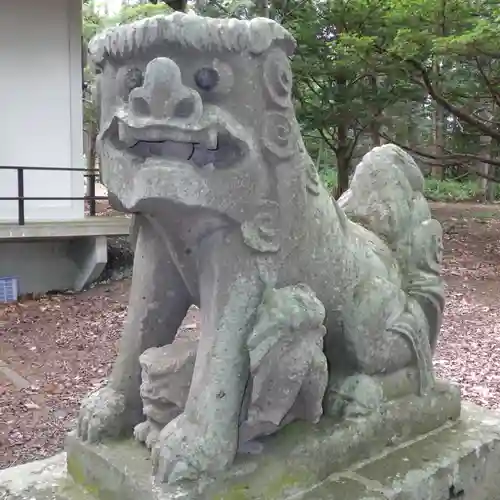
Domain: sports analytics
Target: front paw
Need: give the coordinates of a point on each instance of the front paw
(357, 395)
(185, 452)
(101, 415)
(147, 432)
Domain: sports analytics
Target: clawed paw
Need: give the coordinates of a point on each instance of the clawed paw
(147, 432)
(183, 452)
(101, 415)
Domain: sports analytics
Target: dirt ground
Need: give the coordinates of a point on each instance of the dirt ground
(56, 349)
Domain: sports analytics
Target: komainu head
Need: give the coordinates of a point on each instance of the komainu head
(194, 112)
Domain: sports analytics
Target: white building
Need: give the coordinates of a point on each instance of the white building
(41, 126)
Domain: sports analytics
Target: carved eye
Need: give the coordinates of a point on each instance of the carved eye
(133, 78)
(207, 78)
(128, 79)
(216, 78)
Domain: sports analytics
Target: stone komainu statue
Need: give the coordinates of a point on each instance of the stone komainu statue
(298, 293)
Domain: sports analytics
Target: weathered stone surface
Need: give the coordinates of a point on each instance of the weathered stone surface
(288, 370)
(41, 480)
(296, 459)
(199, 140)
(166, 378)
(459, 460)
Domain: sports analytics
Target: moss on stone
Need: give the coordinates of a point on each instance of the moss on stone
(79, 477)
(274, 486)
(296, 459)
(239, 492)
(286, 483)
(69, 490)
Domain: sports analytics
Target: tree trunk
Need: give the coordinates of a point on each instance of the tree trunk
(342, 175)
(374, 127)
(438, 171)
(486, 185)
(343, 151)
(376, 140)
(178, 5)
(495, 171)
(486, 142)
(262, 8)
(491, 187)
(412, 138)
(343, 160)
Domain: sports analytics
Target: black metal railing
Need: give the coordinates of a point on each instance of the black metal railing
(91, 174)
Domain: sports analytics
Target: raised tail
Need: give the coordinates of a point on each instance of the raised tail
(382, 193)
(386, 196)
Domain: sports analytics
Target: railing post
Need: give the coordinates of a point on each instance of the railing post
(92, 192)
(20, 195)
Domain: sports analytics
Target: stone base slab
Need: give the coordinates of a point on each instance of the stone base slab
(41, 480)
(295, 463)
(460, 459)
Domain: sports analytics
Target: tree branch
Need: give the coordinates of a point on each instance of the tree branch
(426, 83)
(328, 141)
(489, 86)
(451, 108)
(445, 161)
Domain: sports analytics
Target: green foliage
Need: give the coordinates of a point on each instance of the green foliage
(130, 13)
(329, 178)
(92, 22)
(449, 48)
(452, 190)
(447, 190)
(366, 69)
(332, 84)
(386, 66)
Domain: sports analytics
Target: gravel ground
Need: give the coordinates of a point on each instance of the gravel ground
(469, 347)
(62, 346)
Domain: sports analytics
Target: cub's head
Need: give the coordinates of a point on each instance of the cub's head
(194, 112)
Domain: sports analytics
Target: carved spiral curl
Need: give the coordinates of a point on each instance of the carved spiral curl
(278, 134)
(278, 78)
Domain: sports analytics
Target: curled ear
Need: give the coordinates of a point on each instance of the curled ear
(262, 231)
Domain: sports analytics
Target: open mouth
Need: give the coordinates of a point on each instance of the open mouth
(227, 153)
(207, 149)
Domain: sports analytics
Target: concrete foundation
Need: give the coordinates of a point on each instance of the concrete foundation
(56, 256)
(460, 459)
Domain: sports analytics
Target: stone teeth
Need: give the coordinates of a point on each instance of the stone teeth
(124, 136)
(210, 167)
(211, 142)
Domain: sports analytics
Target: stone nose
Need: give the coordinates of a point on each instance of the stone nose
(163, 95)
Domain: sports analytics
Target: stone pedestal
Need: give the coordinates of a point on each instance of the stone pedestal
(417, 448)
(458, 459)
